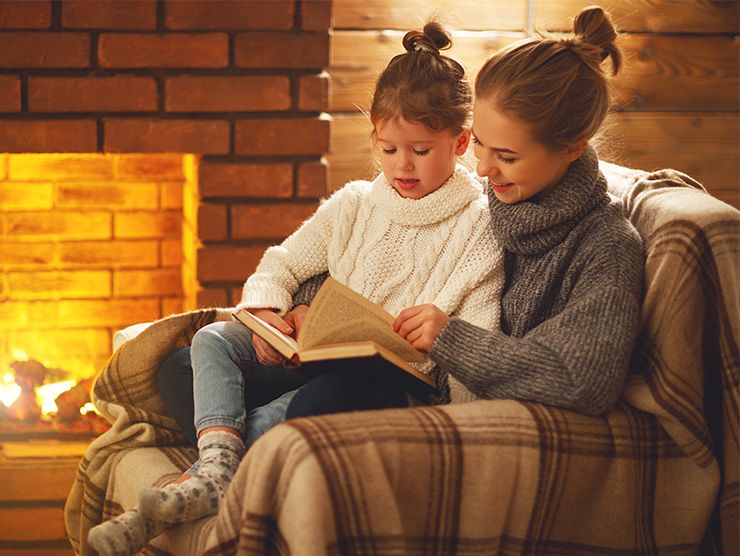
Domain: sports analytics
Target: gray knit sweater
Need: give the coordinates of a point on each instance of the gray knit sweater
(571, 302)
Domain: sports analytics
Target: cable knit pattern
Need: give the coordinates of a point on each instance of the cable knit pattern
(570, 307)
(396, 252)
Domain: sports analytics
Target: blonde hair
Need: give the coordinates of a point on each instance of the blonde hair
(422, 85)
(557, 86)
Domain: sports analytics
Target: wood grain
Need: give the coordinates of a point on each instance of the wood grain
(705, 146)
(661, 73)
(670, 73)
(410, 14)
(654, 16)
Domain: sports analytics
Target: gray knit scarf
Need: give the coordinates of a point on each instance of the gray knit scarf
(537, 225)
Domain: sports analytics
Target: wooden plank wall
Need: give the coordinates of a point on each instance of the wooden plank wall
(677, 98)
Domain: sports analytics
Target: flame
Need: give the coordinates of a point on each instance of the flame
(9, 390)
(47, 393)
(89, 407)
(19, 354)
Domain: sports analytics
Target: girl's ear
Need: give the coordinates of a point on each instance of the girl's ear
(462, 142)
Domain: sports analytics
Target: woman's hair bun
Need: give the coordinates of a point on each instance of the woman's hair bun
(432, 38)
(594, 29)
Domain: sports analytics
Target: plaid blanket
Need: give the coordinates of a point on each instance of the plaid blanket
(658, 474)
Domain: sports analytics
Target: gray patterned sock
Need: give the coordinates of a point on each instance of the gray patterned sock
(125, 534)
(220, 454)
(193, 469)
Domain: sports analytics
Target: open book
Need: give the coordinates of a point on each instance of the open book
(345, 331)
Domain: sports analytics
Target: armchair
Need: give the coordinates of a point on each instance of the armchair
(659, 473)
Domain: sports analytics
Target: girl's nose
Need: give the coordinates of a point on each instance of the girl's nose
(405, 162)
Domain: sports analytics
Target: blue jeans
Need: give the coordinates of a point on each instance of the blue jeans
(225, 366)
(175, 384)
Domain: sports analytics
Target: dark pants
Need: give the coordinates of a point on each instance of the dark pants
(343, 391)
(328, 393)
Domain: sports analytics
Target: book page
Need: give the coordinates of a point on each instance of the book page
(339, 315)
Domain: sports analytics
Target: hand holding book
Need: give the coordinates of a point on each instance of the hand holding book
(266, 354)
(420, 325)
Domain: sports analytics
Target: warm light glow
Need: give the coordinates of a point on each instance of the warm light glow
(9, 390)
(47, 393)
(88, 408)
(19, 354)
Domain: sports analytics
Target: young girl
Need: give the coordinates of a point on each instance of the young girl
(573, 264)
(419, 233)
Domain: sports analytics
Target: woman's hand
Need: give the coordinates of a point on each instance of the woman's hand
(420, 325)
(295, 318)
(266, 354)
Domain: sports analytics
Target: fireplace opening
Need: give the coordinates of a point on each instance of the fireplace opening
(89, 244)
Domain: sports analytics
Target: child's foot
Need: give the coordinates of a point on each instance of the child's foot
(220, 454)
(124, 535)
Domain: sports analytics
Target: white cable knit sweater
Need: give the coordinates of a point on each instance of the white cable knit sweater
(396, 252)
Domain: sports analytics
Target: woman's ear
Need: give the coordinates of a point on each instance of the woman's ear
(462, 142)
(575, 150)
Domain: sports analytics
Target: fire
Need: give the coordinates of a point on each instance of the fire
(28, 377)
(47, 393)
(9, 390)
(89, 407)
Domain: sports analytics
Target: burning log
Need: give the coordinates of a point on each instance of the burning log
(70, 402)
(28, 375)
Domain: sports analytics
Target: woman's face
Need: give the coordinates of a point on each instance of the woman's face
(416, 160)
(517, 166)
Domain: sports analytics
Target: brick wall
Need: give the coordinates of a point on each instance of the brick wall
(238, 84)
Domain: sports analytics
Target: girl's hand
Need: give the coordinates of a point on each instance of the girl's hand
(295, 318)
(266, 354)
(420, 325)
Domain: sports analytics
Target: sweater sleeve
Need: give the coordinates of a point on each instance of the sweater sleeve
(308, 290)
(301, 256)
(577, 359)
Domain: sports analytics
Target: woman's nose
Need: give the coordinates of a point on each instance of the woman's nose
(486, 167)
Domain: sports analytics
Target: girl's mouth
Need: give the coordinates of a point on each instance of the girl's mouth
(407, 184)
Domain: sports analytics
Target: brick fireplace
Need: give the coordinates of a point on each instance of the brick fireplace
(149, 151)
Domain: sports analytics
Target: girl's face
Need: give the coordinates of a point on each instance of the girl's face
(415, 159)
(517, 166)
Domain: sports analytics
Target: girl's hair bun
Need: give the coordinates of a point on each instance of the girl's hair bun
(432, 38)
(595, 37)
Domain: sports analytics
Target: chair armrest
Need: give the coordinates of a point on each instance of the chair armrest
(125, 334)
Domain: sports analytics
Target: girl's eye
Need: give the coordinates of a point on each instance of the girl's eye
(474, 140)
(505, 159)
(421, 153)
(389, 151)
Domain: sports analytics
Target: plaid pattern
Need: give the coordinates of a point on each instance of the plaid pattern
(658, 474)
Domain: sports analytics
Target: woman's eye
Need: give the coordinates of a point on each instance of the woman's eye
(421, 153)
(506, 160)
(474, 140)
(389, 151)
